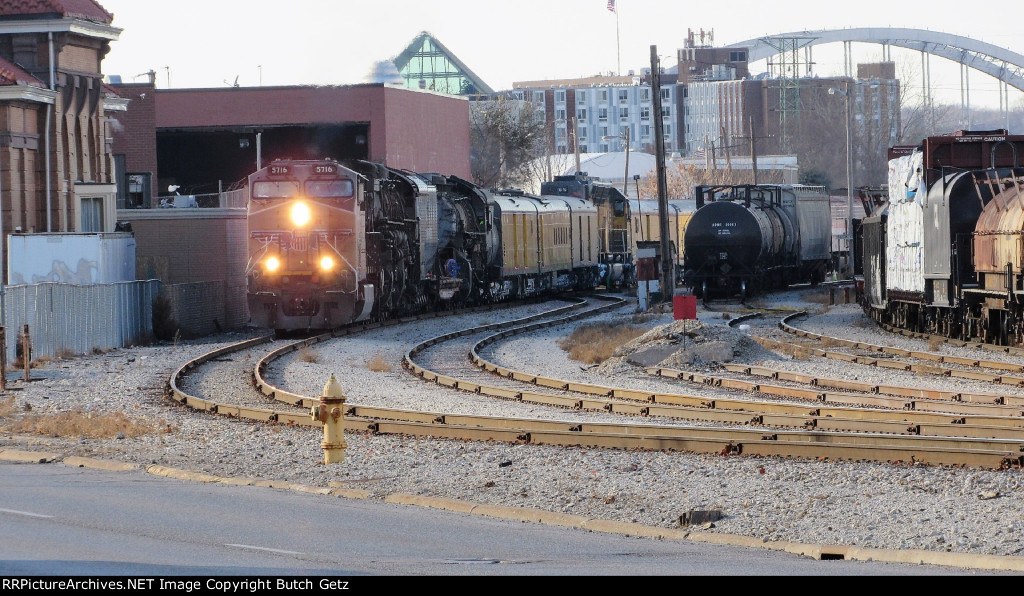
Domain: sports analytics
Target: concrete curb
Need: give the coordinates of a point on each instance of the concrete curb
(926, 557)
(99, 464)
(432, 502)
(36, 457)
(524, 514)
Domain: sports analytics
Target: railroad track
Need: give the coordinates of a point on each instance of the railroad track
(732, 426)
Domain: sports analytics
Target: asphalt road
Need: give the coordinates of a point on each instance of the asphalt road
(58, 520)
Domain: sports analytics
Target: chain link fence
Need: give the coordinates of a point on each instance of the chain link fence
(66, 319)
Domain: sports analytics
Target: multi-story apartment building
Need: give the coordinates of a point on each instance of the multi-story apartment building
(603, 111)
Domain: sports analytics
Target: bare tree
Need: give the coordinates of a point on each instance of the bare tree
(682, 178)
(505, 135)
(547, 165)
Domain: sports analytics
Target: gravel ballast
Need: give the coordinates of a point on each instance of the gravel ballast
(889, 506)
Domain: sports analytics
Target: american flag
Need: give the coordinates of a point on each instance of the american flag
(611, 5)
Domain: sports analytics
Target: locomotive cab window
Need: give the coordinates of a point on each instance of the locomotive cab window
(276, 189)
(329, 188)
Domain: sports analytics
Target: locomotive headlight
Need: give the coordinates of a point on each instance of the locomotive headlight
(300, 214)
(326, 263)
(273, 264)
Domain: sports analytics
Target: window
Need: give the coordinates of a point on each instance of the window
(581, 97)
(602, 96)
(275, 190)
(668, 130)
(645, 113)
(739, 56)
(560, 96)
(624, 113)
(623, 95)
(645, 94)
(583, 133)
(603, 130)
(329, 188)
(560, 114)
(666, 112)
(583, 148)
(666, 93)
(538, 97)
(92, 214)
(602, 114)
(581, 114)
(645, 131)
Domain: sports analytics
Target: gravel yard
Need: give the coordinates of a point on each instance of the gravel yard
(846, 503)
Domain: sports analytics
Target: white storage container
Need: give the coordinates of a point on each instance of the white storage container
(71, 258)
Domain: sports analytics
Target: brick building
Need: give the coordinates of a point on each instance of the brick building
(203, 140)
(55, 168)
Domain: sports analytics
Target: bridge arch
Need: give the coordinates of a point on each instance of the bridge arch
(1001, 63)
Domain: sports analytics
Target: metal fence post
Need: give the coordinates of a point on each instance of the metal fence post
(26, 354)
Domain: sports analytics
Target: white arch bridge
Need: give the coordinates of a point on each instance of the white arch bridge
(1004, 65)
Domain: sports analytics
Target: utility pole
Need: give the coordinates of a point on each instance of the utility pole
(668, 283)
(625, 177)
(576, 141)
(753, 150)
(728, 158)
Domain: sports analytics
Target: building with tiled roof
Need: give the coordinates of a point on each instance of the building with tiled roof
(56, 170)
(76, 9)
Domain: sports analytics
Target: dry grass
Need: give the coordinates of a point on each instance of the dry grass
(308, 355)
(641, 318)
(595, 343)
(78, 423)
(378, 363)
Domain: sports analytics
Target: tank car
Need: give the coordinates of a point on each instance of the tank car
(744, 239)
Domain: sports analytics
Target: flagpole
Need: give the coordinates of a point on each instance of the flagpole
(618, 46)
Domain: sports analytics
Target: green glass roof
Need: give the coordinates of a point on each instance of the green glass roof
(427, 64)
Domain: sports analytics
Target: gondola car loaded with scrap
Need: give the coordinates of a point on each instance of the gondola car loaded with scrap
(331, 243)
(945, 256)
(745, 239)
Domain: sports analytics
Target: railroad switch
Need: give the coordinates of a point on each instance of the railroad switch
(329, 412)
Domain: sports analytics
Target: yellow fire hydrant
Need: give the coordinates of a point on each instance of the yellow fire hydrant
(329, 411)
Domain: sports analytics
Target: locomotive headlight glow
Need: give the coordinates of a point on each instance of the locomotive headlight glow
(326, 263)
(300, 214)
(273, 264)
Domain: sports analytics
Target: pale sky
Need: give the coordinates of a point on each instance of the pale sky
(208, 43)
